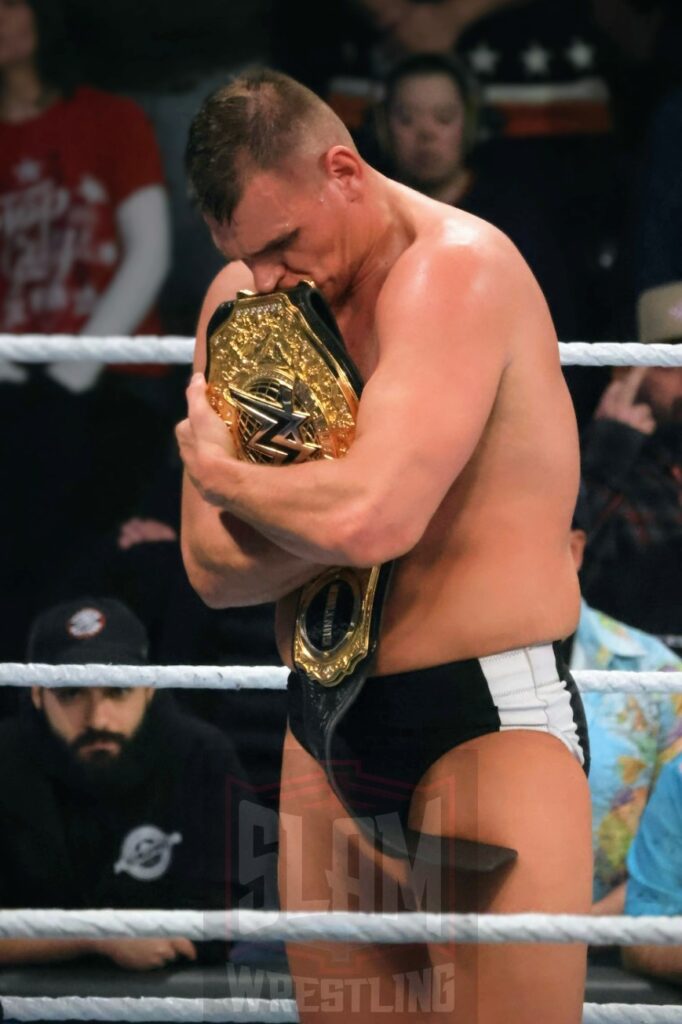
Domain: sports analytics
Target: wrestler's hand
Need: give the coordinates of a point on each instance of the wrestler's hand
(144, 954)
(619, 402)
(204, 441)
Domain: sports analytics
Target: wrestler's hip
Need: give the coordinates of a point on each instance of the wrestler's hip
(459, 610)
(455, 610)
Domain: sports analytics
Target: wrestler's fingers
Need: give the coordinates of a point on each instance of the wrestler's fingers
(199, 409)
(195, 393)
(196, 387)
(205, 422)
(183, 433)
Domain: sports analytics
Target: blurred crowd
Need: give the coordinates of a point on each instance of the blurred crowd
(559, 123)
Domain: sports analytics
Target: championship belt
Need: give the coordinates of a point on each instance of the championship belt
(279, 375)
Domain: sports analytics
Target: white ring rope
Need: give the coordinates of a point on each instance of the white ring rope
(340, 926)
(618, 353)
(211, 677)
(41, 348)
(630, 1013)
(618, 681)
(243, 1009)
(147, 1008)
(47, 348)
(269, 677)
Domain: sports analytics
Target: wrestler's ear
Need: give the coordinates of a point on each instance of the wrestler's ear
(344, 167)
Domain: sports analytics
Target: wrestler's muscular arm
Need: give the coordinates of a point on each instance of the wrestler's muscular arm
(227, 561)
(446, 320)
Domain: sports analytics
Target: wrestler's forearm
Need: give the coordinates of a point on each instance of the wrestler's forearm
(332, 512)
(231, 565)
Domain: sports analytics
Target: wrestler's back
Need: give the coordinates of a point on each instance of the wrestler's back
(493, 570)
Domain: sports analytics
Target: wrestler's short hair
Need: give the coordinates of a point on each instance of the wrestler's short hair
(255, 122)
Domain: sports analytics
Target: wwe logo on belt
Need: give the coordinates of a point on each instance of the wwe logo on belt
(278, 434)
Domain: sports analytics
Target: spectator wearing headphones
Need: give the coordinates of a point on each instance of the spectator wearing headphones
(427, 130)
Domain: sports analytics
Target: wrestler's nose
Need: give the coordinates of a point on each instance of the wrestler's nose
(266, 276)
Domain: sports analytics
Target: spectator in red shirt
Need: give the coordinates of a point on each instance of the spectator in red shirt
(84, 248)
(84, 241)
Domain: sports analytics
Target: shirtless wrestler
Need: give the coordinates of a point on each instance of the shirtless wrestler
(465, 469)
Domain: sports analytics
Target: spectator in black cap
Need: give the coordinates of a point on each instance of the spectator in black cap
(93, 724)
(111, 797)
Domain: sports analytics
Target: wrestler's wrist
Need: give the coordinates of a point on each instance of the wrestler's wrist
(218, 479)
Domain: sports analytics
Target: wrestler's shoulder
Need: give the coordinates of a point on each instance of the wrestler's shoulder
(224, 287)
(227, 282)
(453, 242)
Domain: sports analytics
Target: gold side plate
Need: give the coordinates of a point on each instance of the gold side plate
(329, 659)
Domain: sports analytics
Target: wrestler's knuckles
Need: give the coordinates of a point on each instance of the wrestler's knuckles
(181, 430)
(205, 421)
(189, 449)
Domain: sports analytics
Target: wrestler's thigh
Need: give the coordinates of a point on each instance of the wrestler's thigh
(326, 864)
(524, 790)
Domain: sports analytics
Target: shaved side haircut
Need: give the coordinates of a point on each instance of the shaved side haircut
(256, 122)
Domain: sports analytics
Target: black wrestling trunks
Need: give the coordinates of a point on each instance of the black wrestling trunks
(399, 725)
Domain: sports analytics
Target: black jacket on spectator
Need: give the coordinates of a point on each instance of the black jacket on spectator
(160, 832)
(633, 488)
